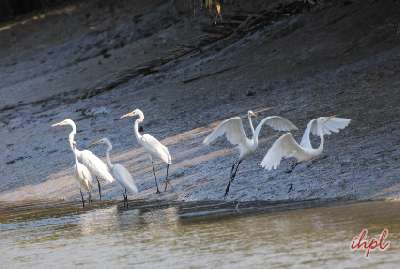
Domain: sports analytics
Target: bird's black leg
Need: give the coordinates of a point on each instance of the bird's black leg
(233, 167)
(83, 200)
(232, 178)
(166, 179)
(90, 197)
(126, 198)
(227, 188)
(98, 185)
(237, 167)
(155, 178)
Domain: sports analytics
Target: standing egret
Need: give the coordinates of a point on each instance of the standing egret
(151, 145)
(286, 147)
(84, 178)
(120, 173)
(233, 130)
(96, 166)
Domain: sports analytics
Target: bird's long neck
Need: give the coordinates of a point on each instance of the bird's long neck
(75, 156)
(71, 137)
(74, 151)
(321, 135)
(136, 129)
(252, 129)
(72, 144)
(109, 148)
(258, 130)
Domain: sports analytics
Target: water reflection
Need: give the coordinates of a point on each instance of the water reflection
(150, 237)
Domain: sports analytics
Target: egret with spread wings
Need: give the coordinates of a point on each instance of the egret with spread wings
(151, 145)
(286, 147)
(120, 173)
(233, 130)
(96, 166)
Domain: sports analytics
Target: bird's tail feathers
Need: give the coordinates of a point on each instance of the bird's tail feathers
(132, 188)
(108, 177)
(167, 156)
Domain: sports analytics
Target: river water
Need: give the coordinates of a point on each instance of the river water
(109, 236)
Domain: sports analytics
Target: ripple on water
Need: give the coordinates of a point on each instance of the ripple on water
(162, 235)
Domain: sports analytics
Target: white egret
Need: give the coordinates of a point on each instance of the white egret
(120, 173)
(96, 166)
(151, 145)
(233, 130)
(286, 147)
(84, 178)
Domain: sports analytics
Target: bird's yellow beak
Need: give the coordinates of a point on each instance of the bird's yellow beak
(56, 124)
(130, 114)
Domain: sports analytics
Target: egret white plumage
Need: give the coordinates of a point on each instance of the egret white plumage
(120, 173)
(84, 178)
(286, 147)
(96, 166)
(151, 145)
(233, 130)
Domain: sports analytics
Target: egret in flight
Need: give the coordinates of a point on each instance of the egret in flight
(84, 178)
(233, 130)
(286, 147)
(96, 166)
(120, 173)
(151, 145)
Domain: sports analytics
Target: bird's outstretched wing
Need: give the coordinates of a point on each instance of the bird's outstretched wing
(284, 147)
(278, 123)
(152, 145)
(95, 165)
(233, 130)
(124, 178)
(330, 125)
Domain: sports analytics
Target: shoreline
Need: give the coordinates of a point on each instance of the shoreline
(185, 211)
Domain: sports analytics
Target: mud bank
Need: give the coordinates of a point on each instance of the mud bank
(187, 74)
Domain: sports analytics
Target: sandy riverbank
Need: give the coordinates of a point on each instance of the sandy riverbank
(334, 58)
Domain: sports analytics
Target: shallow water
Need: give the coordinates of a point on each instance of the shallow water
(161, 237)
